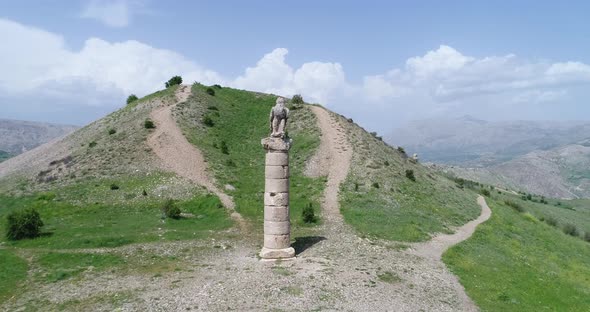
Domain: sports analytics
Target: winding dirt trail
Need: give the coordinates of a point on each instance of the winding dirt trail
(435, 247)
(178, 155)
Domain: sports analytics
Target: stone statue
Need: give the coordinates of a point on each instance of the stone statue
(278, 119)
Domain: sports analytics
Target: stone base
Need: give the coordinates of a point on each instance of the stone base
(276, 254)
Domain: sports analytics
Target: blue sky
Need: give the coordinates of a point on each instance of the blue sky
(382, 63)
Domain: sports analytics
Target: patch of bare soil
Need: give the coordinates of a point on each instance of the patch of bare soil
(180, 156)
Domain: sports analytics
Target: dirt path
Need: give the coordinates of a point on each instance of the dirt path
(180, 156)
(435, 247)
(332, 159)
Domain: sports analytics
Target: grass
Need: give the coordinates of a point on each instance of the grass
(515, 263)
(399, 209)
(59, 266)
(240, 121)
(100, 225)
(13, 271)
(389, 277)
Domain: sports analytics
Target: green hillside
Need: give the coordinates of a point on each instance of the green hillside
(521, 259)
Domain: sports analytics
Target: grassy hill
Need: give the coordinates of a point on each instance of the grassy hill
(102, 187)
(523, 260)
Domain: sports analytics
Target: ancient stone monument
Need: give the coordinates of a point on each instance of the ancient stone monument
(277, 226)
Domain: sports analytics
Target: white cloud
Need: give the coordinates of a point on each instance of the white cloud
(316, 81)
(112, 13)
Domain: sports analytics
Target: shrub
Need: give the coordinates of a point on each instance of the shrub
(224, 148)
(571, 229)
(208, 121)
(170, 210)
(514, 205)
(401, 150)
(587, 236)
(114, 186)
(410, 174)
(529, 197)
(308, 215)
(386, 163)
(112, 131)
(132, 98)
(148, 124)
(176, 80)
(551, 221)
(375, 184)
(92, 144)
(213, 108)
(210, 91)
(230, 163)
(216, 86)
(484, 192)
(297, 99)
(144, 193)
(24, 223)
(356, 186)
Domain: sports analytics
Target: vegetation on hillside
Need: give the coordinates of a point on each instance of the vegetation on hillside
(387, 195)
(515, 262)
(228, 128)
(4, 156)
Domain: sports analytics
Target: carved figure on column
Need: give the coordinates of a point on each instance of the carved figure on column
(278, 119)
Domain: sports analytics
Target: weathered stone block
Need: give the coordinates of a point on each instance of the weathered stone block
(277, 241)
(277, 227)
(273, 254)
(276, 172)
(276, 213)
(276, 185)
(276, 144)
(276, 199)
(277, 159)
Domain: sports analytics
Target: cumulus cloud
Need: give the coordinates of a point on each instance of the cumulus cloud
(317, 81)
(112, 13)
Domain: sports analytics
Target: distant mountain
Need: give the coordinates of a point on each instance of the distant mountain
(468, 141)
(549, 158)
(20, 136)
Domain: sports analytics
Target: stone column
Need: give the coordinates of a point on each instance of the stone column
(277, 226)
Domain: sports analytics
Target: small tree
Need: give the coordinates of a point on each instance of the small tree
(484, 192)
(176, 80)
(170, 210)
(308, 214)
(410, 174)
(131, 98)
(297, 99)
(148, 124)
(210, 91)
(24, 223)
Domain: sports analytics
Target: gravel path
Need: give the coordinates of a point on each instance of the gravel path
(180, 156)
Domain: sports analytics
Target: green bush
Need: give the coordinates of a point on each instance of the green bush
(571, 229)
(176, 80)
(551, 221)
(171, 210)
(224, 148)
(24, 223)
(208, 121)
(514, 205)
(132, 98)
(484, 192)
(216, 86)
(375, 185)
(587, 236)
(114, 187)
(308, 214)
(297, 99)
(356, 186)
(148, 124)
(210, 91)
(112, 131)
(410, 174)
(529, 197)
(386, 163)
(401, 150)
(92, 144)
